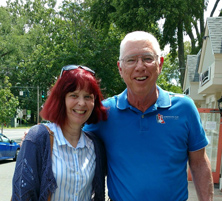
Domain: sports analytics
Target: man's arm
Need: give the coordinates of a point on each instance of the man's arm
(201, 173)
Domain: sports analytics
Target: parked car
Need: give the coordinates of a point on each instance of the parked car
(8, 148)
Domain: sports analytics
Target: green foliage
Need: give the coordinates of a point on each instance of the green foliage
(126, 15)
(36, 40)
(40, 45)
(179, 17)
(169, 77)
(181, 12)
(8, 103)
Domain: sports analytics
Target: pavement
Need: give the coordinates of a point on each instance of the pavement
(193, 195)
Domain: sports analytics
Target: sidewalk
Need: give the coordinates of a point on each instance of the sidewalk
(193, 195)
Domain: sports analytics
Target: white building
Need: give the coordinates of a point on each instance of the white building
(203, 83)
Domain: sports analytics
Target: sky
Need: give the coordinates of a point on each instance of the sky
(210, 7)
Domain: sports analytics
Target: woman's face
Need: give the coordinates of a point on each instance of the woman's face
(79, 106)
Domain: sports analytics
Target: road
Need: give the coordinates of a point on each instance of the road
(15, 134)
(7, 167)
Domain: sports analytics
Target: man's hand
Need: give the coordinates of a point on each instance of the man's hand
(25, 133)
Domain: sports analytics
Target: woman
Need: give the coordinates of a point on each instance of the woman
(76, 168)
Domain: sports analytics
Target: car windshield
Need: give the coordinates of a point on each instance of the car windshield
(5, 139)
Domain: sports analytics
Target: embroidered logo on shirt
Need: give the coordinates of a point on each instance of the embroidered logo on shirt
(162, 119)
(159, 119)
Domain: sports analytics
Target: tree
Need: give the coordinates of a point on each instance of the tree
(179, 18)
(127, 15)
(169, 77)
(8, 103)
(43, 44)
(28, 34)
(42, 40)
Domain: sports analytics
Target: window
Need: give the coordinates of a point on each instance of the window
(187, 91)
(205, 77)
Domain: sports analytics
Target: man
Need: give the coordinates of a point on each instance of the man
(150, 133)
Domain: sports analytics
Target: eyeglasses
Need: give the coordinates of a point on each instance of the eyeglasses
(131, 61)
(72, 67)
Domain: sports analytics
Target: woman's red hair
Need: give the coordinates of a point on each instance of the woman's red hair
(54, 108)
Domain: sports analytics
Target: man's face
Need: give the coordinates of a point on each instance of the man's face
(140, 77)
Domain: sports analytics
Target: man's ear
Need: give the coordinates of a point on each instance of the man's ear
(119, 67)
(161, 63)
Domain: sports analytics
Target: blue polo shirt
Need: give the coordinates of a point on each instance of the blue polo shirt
(147, 152)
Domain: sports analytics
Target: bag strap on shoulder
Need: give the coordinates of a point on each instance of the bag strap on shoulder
(51, 136)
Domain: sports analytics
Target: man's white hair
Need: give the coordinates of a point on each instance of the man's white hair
(140, 36)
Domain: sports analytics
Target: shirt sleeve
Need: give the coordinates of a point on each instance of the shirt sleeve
(197, 137)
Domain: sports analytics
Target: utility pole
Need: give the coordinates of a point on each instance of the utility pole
(21, 93)
(37, 104)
